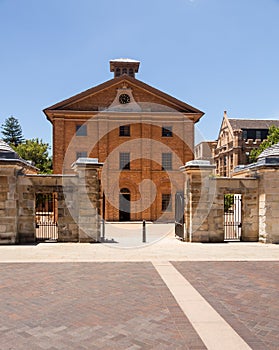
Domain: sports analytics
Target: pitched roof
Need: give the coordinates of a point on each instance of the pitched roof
(252, 123)
(6, 151)
(272, 151)
(172, 101)
(9, 155)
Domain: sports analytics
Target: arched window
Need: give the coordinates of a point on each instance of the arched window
(124, 71)
(125, 190)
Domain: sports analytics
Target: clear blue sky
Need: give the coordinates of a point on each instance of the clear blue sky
(213, 54)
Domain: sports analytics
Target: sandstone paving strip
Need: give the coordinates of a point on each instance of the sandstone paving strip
(90, 306)
(215, 332)
(167, 249)
(245, 294)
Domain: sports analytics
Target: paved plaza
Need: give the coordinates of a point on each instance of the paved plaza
(164, 294)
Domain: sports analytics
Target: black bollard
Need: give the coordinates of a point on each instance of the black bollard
(103, 229)
(143, 232)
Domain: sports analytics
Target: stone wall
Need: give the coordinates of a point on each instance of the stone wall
(258, 186)
(268, 204)
(79, 202)
(28, 186)
(204, 210)
(197, 194)
(8, 204)
(248, 188)
(78, 218)
(89, 202)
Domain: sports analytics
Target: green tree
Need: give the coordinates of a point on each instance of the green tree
(228, 201)
(272, 139)
(12, 132)
(36, 151)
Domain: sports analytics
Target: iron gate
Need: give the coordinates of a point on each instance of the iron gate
(232, 217)
(46, 217)
(179, 214)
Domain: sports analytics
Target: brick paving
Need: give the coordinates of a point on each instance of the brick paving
(53, 306)
(245, 294)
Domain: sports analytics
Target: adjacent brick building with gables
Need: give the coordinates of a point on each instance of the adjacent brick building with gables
(141, 134)
(236, 139)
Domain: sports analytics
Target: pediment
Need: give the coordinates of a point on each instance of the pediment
(144, 98)
(225, 133)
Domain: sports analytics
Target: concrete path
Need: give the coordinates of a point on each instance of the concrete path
(164, 248)
(175, 251)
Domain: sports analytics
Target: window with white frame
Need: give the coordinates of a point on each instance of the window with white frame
(166, 202)
(166, 161)
(81, 154)
(81, 130)
(124, 161)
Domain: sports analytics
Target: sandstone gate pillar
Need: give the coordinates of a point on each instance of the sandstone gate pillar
(199, 192)
(89, 194)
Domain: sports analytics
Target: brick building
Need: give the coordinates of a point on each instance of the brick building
(141, 134)
(236, 139)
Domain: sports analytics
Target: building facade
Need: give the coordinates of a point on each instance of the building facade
(236, 139)
(205, 150)
(140, 134)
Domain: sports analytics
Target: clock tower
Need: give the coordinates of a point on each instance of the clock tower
(124, 66)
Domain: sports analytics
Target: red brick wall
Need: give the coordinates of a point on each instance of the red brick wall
(148, 166)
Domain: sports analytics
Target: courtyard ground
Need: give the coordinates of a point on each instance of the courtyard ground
(125, 294)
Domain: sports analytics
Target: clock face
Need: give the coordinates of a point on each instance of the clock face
(124, 98)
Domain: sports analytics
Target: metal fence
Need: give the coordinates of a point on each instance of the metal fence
(232, 220)
(46, 217)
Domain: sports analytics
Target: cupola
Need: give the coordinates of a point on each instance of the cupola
(122, 66)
